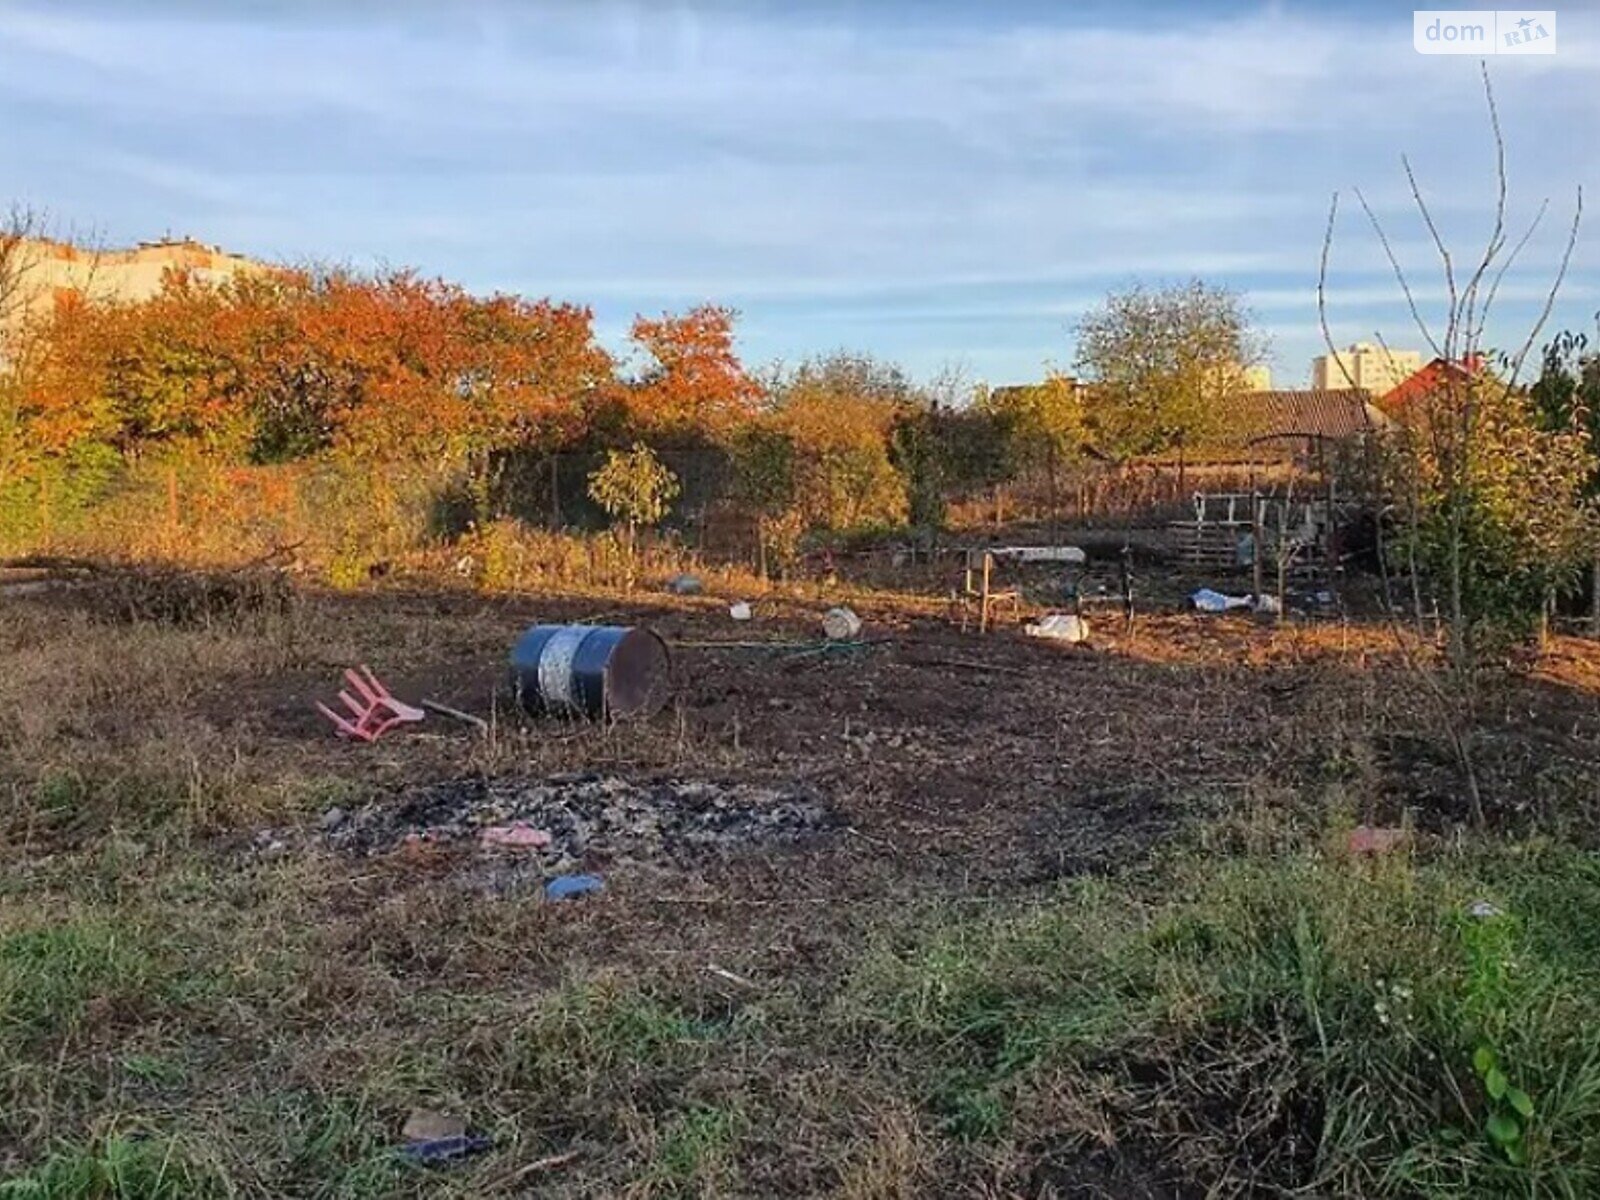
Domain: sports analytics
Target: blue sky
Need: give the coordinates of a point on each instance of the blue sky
(937, 183)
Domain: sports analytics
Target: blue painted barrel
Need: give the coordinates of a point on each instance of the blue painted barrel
(596, 671)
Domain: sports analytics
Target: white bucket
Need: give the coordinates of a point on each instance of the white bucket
(840, 624)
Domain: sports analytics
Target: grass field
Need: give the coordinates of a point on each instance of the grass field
(1080, 921)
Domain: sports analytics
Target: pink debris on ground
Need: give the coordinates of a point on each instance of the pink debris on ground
(1370, 839)
(520, 836)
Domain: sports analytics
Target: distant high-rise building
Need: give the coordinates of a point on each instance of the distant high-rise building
(1372, 368)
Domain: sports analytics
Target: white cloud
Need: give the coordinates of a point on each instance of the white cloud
(811, 168)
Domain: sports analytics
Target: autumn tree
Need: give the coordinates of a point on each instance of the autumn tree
(923, 446)
(395, 376)
(18, 231)
(839, 412)
(1157, 362)
(1566, 398)
(766, 486)
(693, 382)
(1045, 427)
(1566, 394)
(1510, 524)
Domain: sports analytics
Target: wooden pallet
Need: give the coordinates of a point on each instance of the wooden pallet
(1211, 543)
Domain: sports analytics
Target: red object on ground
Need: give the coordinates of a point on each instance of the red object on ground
(1368, 839)
(374, 714)
(520, 836)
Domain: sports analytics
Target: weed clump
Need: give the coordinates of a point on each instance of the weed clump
(1287, 1023)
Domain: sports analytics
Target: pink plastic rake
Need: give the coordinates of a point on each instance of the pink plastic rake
(374, 714)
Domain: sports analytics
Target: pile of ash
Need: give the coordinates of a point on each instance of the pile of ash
(588, 817)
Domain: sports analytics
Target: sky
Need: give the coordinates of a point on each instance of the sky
(947, 185)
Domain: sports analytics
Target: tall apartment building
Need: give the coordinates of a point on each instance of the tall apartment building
(1371, 368)
(35, 272)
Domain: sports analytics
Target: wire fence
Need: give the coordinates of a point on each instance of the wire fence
(200, 509)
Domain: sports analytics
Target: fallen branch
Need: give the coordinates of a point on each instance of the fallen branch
(731, 977)
(539, 1164)
(444, 710)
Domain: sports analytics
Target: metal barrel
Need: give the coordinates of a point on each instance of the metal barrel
(594, 671)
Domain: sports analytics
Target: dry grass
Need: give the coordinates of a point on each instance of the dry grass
(193, 1014)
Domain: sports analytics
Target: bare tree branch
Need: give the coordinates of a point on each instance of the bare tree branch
(1497, 236)
(20, 229)
(1550, 296)
(1322, 290)
(1400, 275)
(1438, 241)
(1506, 265)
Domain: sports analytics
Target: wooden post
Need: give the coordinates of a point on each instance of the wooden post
(1594, 600)
(983, 604)
(1330, 537)
(172, 507)
(1255, 544)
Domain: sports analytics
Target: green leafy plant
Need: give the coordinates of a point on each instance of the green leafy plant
(635, 487)
(1510, 1108)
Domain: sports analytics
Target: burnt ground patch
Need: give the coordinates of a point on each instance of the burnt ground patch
(590, 819)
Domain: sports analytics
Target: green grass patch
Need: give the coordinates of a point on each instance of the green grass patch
(121, 1167)
(1338, 1020)
(599, 1033)
(694, 1147)
(51, 975)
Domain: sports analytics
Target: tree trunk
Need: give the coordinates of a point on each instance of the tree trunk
(44, 510)
(633, 556)
(555, 492)
(172, 507)
(1594, 597)
(1055, 507)
(1458, 619)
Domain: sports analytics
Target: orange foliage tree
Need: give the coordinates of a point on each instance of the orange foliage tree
(377, 372)
(694, 382)
(286, 366)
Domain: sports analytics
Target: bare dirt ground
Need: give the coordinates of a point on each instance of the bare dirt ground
(299, 986)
